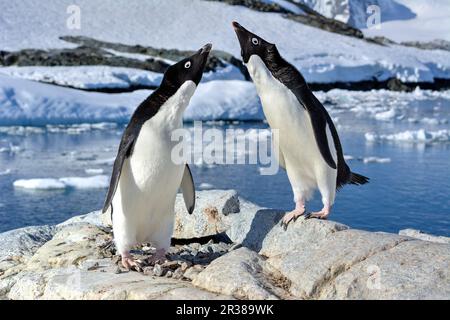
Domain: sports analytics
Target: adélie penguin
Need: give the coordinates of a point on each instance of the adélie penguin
(145, 180)
(309, 147)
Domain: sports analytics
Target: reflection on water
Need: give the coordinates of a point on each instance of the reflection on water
(410, 191)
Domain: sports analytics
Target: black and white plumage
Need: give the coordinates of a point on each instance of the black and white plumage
(309, 145)
(145, 180)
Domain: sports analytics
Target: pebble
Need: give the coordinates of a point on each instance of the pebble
(185, 265)
(158, 270)
(178, 274)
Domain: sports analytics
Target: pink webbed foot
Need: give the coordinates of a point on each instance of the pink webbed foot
(322, 214)
(293, 215)
(129, 263)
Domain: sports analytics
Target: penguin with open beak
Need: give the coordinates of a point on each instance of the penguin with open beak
(309, 147)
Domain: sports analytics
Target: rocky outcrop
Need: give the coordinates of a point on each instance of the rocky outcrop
(437, 44)
(308, 17)
(91, 51)
(413, 233)
(228, 249)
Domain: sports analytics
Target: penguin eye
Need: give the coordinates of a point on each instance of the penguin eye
(255, 41)
(187, 65)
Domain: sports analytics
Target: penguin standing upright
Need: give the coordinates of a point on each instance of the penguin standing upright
(145, 180)
(309, 147)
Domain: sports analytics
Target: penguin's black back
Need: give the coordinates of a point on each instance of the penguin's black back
(288, 75)
(145, 111)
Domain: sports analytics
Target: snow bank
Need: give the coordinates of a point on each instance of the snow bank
(224, 100)
(31, 103)
(28, 103)
(411, 136)
(94, 182)
(322, 56)
(101, 77)
(87, 77)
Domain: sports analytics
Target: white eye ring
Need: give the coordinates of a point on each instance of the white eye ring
(255, 41)
(187, 65)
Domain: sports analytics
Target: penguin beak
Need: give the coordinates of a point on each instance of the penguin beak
(243, 36)
(206, 48)
(201, 55)
(199, 60)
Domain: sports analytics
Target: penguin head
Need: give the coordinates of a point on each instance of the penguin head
(188, 69)
(252, 44)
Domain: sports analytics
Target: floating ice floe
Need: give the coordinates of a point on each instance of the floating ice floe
(5, 172)
(348, 157)
(11, 148)
(386, 115)
(93, 171)
(107, 161)
(411, 136)
(94, 182)
(376, 160)
(205, 186)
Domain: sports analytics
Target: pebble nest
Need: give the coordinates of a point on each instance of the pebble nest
(181, 262)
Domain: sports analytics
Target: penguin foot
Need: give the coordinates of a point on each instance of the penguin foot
(291, 216)
(158, 256)
(129, 263)
(322, 214)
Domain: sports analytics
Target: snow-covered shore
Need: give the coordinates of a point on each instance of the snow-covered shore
(322, 56)
(29, 103)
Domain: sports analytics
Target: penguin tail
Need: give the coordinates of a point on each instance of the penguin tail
(358, 179)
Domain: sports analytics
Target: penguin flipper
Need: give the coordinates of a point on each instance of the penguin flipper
(124, 152)
(319, 120)
(188, 189)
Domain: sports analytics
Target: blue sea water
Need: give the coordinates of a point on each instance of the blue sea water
(410, 191)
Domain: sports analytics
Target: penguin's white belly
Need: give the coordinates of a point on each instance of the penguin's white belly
(144, 201)
(303, 161)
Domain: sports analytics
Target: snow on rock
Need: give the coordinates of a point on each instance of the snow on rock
(287, 5)
(148, 23)
(411, 136)
(94, 182)
(354, 12)
(87, 77)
